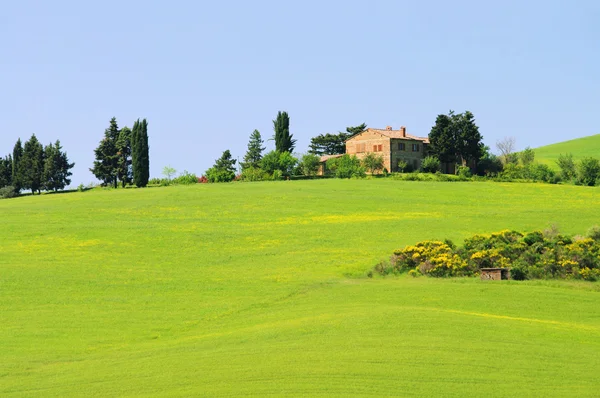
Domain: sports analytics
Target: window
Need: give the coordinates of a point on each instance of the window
(401, 146)
(415, 147)
(360, 148)
(377, 148)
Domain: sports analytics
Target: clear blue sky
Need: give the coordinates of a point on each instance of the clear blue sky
(206, 74)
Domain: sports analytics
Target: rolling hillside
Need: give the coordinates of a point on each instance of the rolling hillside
(260, 289)
(580, 148)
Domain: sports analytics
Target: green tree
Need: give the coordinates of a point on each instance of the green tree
(169, 172)
(56, 168)
(6, 171)
(124, 167)
(456, 138)
(588, 171)
(140, 153)
(568, 170)
(283, 139)
(31, 165)
(309, 164)
(106, 165)
(527, 156)
(282, 163)
(223, 169)
(254, 152)
(372, 162)
(334, 144)
(346, 166)
(16, 170)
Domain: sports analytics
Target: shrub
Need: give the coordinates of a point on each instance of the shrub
(527, 156)
(373, 162)
(254, 174)
(284, 162)
(346, 166)
(490, 165)
(567, 167)
(309, 164)
(588, 171)
(594, 233)
(463, 171)
(218, 175)
(431, 164)
(202, 180)
(7, 192)
(186, 178)
(404, 167)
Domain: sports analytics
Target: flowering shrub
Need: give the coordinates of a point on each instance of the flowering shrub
(202, 180)
(530, 256)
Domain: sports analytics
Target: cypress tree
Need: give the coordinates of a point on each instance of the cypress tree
(106, 165)
(140, 155)
(6, 171)
(124, 151)
(283, 139)
(16, 160)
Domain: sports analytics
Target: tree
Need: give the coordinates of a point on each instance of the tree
(567, 167)
(56, 168)
(588, 171)
(527, 156)
(6, 172)
(373, 162)
(456, 138)
(309, 164)
(16, 170)
(283, 139)
(140, 153)
(254, 153)
(346, 166)
(31, 165)
(507, 146)
(169, 172)
(282, 163)
(334, 144)
(124, 168)
(223, 169)
(106, 165)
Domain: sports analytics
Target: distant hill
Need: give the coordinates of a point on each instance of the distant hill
(580, 148)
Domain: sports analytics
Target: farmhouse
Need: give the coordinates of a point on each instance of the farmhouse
(394, 146)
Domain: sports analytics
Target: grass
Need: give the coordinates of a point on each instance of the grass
(258, 289)
(580, 148)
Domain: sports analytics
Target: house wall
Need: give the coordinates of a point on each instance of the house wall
(369, 139)
(413, 158)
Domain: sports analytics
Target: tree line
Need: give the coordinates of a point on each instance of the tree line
(123, 155)
(34, 167)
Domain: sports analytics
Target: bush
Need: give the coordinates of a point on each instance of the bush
(373, 162)
(588, 171)
(404, 167)
(185, 178)
(346, 166)
(7, 192)
(254, 174)
(431, 164)
(464, 172)
(309, 164)
(284, 162)
(202, 180)
(533, 255)
(490, 165)
(218, 175)
(568, 171)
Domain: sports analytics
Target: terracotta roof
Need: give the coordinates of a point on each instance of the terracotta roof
(397, 134)
(325, 158)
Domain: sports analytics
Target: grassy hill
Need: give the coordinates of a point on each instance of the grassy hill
(580, 148)
(259, 289)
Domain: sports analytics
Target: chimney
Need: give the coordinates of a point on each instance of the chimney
(403, 131)
(389, 128)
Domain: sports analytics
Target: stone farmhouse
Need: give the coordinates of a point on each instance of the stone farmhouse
(393, 145)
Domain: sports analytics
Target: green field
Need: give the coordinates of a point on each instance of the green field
(256, 289)
(580, 148)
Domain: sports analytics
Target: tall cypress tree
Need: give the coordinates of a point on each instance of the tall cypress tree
(283, 139)
(106, 165)
(16, 160)
(140, 153)
(31, 165)
(125, 174)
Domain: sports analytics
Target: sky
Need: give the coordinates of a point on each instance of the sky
(205, 74)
